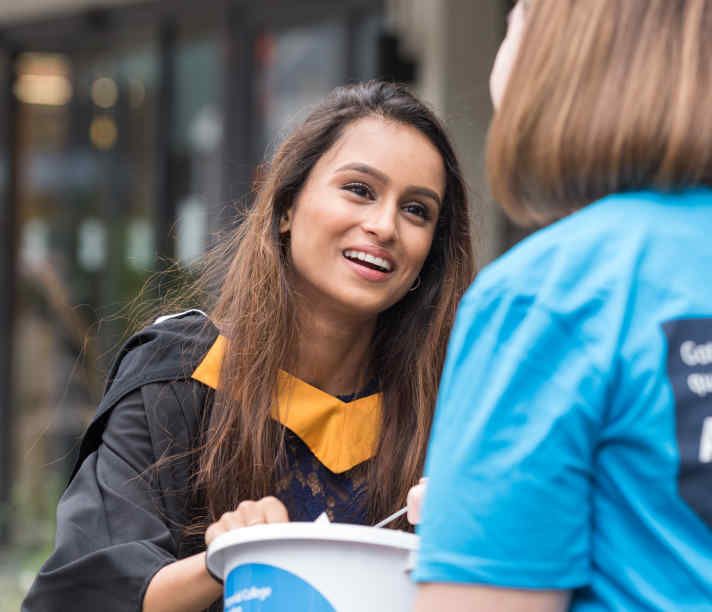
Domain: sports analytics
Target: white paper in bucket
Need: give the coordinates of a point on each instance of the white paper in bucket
(314, 567)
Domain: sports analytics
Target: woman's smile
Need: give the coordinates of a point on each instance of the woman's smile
(371, 263)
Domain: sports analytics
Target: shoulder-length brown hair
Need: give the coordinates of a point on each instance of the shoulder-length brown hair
(243, 448)
(605, 96)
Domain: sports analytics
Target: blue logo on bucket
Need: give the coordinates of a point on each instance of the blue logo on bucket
(256, 587)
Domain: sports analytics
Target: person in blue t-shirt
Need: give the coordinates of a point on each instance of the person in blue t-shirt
(570, 463)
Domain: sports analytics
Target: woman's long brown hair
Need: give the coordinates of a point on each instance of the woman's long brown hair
(242, 450)
(605, 96)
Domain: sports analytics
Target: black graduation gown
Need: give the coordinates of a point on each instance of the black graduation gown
(122, 516)
(119, 522)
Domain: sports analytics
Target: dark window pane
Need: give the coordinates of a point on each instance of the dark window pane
(295, 68)
(197, 141)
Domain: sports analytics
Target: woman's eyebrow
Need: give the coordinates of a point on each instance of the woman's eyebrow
(377, 174)
(365, 169)
(426, 193)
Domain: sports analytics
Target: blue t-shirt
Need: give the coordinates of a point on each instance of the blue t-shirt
(572, 443)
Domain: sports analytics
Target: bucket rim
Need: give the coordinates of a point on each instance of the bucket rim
(332, 532)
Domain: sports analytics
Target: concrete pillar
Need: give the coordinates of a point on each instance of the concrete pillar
(454, 43)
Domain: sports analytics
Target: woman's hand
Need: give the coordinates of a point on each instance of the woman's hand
(416, 495)
(248, 513)
(185, 585)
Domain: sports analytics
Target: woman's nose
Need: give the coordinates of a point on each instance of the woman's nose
(381, 222)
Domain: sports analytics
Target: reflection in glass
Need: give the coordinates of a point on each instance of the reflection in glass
(295, 69)
(43, 79)
(91, 251)
(191, 230)
(197, 140)
(140, 245)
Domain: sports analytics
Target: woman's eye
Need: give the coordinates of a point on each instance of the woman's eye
(418, 210)
(360, 189)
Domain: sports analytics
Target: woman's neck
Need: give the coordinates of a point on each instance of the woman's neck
(333, 353)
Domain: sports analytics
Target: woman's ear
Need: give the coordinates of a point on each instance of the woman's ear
(285, 221)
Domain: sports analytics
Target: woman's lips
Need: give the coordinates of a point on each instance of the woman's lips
(379, 260)
(370, 274)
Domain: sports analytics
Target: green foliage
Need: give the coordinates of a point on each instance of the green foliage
(18, 567)
(31, 539)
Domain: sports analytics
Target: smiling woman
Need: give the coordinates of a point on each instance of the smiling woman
(311, 386)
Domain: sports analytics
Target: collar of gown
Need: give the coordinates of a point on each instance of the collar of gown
(340, 434)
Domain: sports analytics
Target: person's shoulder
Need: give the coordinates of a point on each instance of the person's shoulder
(160, 357)
(187, 328)
(582, 251)
(170, 348)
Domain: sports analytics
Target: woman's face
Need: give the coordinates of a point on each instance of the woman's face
(362, 225)
(507, 54)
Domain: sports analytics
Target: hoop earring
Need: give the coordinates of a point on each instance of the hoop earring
(416, 284)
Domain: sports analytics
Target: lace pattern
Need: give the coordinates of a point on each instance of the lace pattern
(308, 488)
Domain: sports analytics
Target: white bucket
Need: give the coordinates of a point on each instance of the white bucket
(314, 567)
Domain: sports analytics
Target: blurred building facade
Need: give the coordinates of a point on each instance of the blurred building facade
(127, 132)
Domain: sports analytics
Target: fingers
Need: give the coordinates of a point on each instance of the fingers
(232, 520)
(248, 513)
(274, 510)
(266, 510)
(227, 522)
(415, 501)
(251, 513)
(212, 532)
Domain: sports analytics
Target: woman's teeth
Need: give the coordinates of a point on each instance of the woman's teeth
(371, 260)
